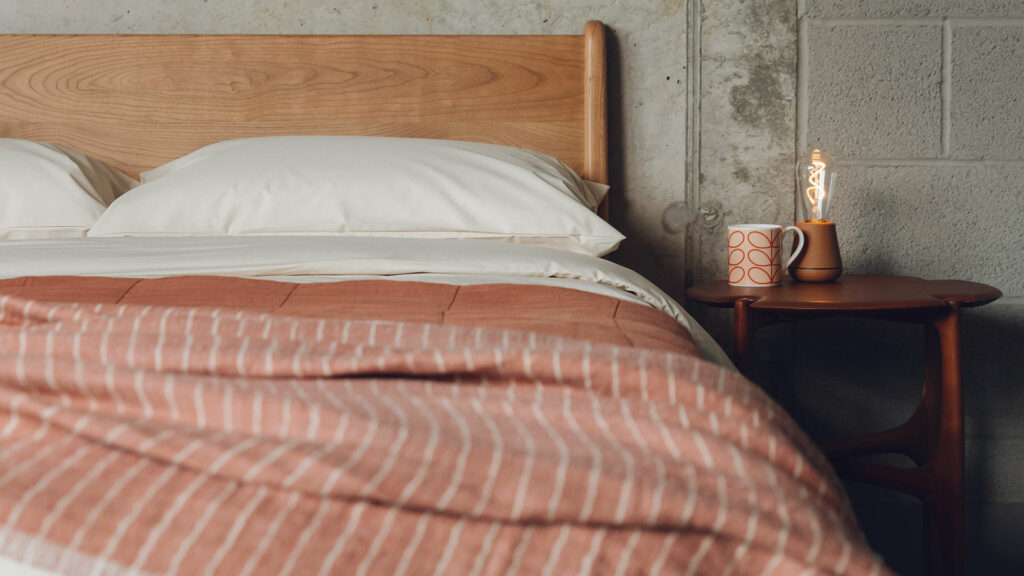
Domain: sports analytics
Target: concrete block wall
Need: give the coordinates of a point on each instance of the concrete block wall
(743, 111)
(922, 104)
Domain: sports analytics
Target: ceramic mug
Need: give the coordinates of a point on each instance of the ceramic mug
(755, 254)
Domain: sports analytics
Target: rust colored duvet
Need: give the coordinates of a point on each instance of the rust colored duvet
(226, 426)
(543, 309)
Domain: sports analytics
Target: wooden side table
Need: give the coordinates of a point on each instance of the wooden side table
(933, 437)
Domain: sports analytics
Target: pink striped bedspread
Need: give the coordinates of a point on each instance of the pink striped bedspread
(192, 441)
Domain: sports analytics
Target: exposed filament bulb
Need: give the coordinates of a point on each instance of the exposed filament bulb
(815, 179)
(816, 192)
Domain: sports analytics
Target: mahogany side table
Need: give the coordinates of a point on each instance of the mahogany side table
(933, 437)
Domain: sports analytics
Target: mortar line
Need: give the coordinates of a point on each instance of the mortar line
(984, 21)
(923, 21)
(947, 85)
(937, 162)
(887, 21)
(693, 193)
(789, 388)
(802, 73)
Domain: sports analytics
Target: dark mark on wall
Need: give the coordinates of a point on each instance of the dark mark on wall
(676, 217)
(760, 102)
(710, 213)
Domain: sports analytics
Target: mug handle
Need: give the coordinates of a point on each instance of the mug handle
(799, 246)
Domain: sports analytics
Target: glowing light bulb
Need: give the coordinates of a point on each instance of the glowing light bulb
(815, 179)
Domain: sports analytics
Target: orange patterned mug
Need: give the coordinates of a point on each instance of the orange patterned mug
(755, 254)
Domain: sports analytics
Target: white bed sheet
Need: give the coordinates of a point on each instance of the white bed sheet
(338, 258)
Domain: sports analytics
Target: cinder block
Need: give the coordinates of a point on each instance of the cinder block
(873, 91)
(913, 8)
(993, 371)
(934, 222)
(987, 110)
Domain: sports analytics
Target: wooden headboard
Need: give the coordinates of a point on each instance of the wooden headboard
(139, 101)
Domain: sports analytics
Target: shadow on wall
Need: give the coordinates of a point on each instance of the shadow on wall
(993, 374)
(993, 533)
(854, 376)
(616, 145)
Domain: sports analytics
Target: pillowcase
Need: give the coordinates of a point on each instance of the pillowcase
(366, 186)
(47, 191)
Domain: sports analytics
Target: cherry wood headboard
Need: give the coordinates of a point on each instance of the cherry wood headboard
(138, 101)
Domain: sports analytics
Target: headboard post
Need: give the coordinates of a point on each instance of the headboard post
(595, 139)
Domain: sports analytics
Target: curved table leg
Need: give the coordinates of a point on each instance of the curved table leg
(743, 329)
(934, 438)
(944, 506)
(745, 322)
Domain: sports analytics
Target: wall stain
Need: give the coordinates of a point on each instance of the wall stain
(676, 217)
(761, 102)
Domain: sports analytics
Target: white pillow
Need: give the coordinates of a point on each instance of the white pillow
(364, 186)
(50, 192)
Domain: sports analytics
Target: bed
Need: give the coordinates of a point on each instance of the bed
(320, 404)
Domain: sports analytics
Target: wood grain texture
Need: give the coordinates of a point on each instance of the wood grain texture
(138, 101)
(850, 293)
(596, 108)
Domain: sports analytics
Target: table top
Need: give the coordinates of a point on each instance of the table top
(850, 292)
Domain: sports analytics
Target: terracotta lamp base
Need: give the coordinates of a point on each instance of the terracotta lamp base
(819, 261)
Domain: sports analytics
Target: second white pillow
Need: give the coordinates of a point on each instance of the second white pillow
(366, 186)
(47, 191)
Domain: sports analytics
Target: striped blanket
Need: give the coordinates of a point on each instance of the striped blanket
(148, 440)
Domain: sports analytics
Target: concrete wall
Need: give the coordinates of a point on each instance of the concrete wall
(746, 56)
(743, 61)
(647, 60)
(921, 102)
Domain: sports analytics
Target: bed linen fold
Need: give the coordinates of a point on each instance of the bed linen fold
(177, 440)
(320, 258)
(549, 310)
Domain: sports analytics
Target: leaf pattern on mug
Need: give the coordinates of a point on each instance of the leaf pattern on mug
(736, 274)
(759, 275)
(735, 239)
(755, 257)
(759, 258)
(759, 240)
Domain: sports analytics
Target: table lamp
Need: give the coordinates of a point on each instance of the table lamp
(819, 261)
